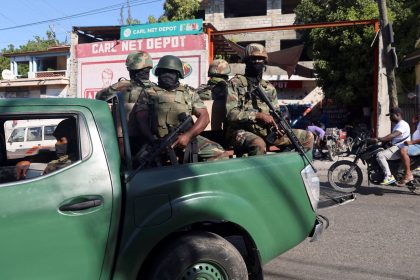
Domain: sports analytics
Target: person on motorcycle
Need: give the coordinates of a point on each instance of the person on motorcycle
(411, 148)
(399, 134)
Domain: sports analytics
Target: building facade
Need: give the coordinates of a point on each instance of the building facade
(234, 14)
(37, 74)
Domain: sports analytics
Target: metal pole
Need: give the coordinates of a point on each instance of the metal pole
(387, 53)
(376, 87)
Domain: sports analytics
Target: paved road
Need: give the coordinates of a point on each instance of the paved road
(377, 236)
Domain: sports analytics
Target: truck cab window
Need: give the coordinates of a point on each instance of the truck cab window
(39, 146)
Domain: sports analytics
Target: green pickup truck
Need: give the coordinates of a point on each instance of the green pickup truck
(99, 218)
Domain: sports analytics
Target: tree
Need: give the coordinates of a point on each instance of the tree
(36, 44)
(407, 31)
(343, 58)
(180, 9)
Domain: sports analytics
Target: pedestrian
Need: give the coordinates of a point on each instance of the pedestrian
(410, 148)
(318, 133)
(159, 106)
(400, 133)
(248, 118)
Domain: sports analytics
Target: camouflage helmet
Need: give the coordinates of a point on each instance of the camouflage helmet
(138, 60)
(219, 67)
(255, 49)
(172, 63)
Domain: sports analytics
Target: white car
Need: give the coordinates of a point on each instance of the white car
(30, 136)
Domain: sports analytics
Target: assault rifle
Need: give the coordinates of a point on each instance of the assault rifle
(281, 122)
(148, 156)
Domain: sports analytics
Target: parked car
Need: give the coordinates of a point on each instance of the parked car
(30, 136)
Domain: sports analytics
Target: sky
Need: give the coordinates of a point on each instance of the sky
(22, 20)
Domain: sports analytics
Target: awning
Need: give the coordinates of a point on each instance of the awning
(286, 59)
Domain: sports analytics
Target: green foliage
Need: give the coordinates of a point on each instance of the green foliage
(36, 44)
(151, 19)
(180, 9)
(406, 32)
(344, 60)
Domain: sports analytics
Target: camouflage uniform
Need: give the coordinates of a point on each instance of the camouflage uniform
(215, 89)
(61, 162)
(245, 133)
(165, 106)
(131, 90)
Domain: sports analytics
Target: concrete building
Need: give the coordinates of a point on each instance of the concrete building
(235, 14)
(47, 74)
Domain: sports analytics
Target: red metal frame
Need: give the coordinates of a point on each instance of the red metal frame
(374, 22)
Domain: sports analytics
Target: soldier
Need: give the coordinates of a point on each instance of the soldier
(159, 106)
(66, 146)
(248, 118)
(138, 65)
(65, 149)
(216, 89)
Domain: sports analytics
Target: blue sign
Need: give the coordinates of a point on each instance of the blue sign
(161, 29)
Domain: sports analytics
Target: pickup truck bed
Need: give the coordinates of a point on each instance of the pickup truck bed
(89, 221)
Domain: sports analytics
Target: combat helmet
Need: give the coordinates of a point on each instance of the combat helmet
(138, 60)
(66, 128)
(255, 49)
(172, 63)
(219, 67)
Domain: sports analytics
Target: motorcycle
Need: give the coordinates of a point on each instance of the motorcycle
(346, 175)
(337, 143)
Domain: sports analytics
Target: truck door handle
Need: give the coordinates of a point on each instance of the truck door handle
(81, 205)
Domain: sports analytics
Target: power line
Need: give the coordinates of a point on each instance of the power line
(88, 13)
(14, 22)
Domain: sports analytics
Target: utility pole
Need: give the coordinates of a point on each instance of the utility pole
(389, 55)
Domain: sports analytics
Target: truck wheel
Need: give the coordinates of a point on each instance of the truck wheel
(198, 255)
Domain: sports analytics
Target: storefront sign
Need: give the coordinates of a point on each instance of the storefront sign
(162, 29)
(101, 64)
(286, 84)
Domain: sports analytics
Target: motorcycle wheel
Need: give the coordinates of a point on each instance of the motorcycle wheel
(341, 179)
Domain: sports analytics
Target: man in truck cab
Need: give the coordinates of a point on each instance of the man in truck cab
(159, 106)
(138, 65)
(248, 118)
(65, 150)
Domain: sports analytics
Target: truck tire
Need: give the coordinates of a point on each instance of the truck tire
(198, 255)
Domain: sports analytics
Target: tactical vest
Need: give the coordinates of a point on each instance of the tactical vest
(248, 102)
(166, 107)
(133, 92)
